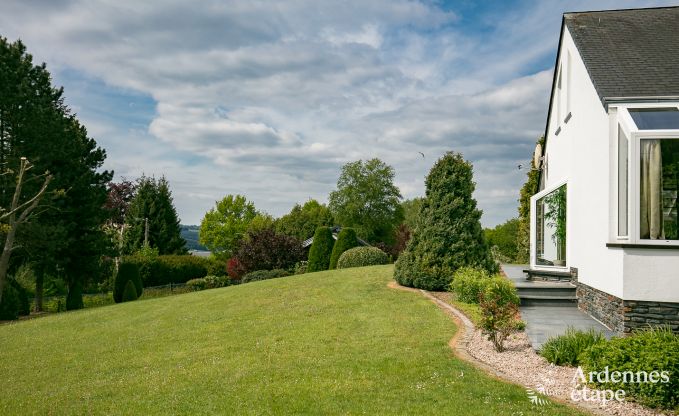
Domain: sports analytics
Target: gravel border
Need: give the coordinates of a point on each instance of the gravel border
(520, 364)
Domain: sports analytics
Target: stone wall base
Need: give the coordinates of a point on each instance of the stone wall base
(625, 316)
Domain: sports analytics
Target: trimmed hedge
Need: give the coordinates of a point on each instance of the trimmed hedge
(346, 239)
(130, 293)
(163, 270)
(209, 282)
(649, 351)
(127, 272)
(362, 256)
(321, 250)
(264, 275)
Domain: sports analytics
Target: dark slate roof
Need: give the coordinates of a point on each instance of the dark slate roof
(629, 53)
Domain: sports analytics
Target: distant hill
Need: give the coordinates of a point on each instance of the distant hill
(190, 234)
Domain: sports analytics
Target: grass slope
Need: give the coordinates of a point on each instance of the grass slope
(322, 343)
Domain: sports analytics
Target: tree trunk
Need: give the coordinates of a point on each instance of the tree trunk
(6, 252)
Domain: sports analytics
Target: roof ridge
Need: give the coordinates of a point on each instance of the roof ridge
(622, 10)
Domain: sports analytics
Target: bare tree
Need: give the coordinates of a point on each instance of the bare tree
(17, 214)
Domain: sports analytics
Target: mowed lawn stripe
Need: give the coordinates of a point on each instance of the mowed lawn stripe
(337, 342)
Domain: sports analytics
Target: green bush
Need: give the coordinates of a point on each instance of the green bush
(321, 250)
(208, 282)
(567, 348)
(9, 306)
(468, 282)
(346, 239)
(127, 271)
(499, 304)
(646, 351)
(362, 256)
(448, 235)
(301, 267)
(130, 292)
(163, 270)
(264, 275)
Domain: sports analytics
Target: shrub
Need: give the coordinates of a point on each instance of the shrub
(499, 307)
(216, 267)
(346, 239)
(362, 256)
(266, 250)
(10, 305)
(197, 284)
(167, 269)
(449, 234)
(567, 348)
(264, 275)
(300, 267)
(127, 271)
(321, 250)
(644, 351)
(130, 292)
(468, 282)
(208, 282)
(235, 268)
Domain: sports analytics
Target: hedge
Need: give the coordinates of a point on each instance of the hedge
(362, 256)
(264, 275)
(163, 270)
(346, 239)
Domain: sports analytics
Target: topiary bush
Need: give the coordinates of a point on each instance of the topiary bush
(567, 348)
(346, 239)
(648, 352)
(468, 282)
(10, 304)
(127, 271)
(499, 304)
(130, 292)
(362, 256)
(449, 234)
(264, 275)
(321, 250)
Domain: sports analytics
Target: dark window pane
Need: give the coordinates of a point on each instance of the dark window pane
(655, 118)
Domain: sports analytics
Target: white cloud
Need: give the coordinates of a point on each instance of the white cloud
(269, 99)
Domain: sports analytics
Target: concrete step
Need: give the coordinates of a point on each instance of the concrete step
(537, 300)
(548, 275)
(525, 291)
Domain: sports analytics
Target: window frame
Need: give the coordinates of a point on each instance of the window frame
(533, 227)
(634, 137)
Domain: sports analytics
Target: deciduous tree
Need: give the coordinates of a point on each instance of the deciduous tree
(224, 226)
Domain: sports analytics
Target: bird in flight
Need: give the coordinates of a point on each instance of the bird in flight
(421, 154)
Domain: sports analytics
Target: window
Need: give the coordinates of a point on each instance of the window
(568, 84)
(550, 228)
(655, 118)
(558, 98)
(623, 182)
(658, 189)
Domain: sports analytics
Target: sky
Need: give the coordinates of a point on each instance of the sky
(269, 99)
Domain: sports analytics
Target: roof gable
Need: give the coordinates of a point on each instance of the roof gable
(629, 53)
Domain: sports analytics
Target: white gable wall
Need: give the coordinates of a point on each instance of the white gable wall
(579, 155)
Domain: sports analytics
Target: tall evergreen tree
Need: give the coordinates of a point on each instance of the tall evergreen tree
(35, 123)
(448, 233)
(153, 204)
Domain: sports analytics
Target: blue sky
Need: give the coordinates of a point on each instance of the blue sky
(269, 99)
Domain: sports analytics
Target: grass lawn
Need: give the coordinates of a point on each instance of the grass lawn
(321, 343)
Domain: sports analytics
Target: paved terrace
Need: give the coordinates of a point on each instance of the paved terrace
(546, 320)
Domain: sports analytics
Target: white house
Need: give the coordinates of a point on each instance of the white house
(606, 212)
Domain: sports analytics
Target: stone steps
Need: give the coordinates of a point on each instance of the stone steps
(543, 293)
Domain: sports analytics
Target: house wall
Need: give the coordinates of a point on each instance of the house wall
(579, 155)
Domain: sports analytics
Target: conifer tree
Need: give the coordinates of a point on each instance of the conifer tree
(321, 249)
(448, 233)
(153, 203)
(346, 239)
